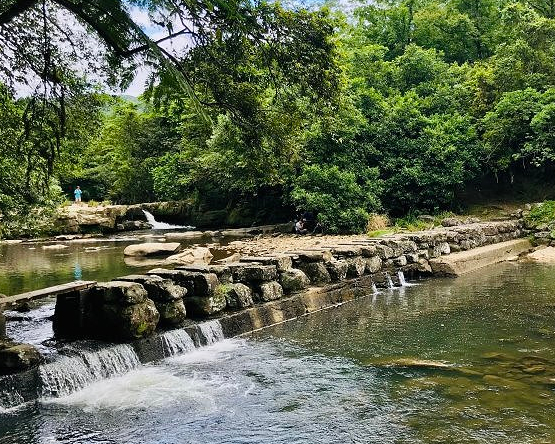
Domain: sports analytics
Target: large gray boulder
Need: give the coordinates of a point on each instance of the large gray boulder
(158, 288)
(16, 358)
(237, 295)
(293, 280)
(202, 306)
(269, 291)
(373, 264)
(172, 313)
(196, 283)
(124, 323)
(119, 292)
(194, 255)
(357, 265)
(337, 270)
(152, 249)
(316, 272)
(254, 273)
(281, 262)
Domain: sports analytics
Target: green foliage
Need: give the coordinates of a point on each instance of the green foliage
(341, 203)
(543, 213)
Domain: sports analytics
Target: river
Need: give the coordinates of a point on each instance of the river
(466, 360)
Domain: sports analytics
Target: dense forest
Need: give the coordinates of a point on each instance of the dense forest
(398, 107)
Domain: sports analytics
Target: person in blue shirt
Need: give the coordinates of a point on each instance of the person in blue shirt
(78, 193)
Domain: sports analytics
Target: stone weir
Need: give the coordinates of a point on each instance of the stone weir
(237, 298)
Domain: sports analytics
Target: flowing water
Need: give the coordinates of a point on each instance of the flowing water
(466, 360)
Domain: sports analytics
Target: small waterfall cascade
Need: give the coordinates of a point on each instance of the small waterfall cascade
(160, 225)
(212, 331)
(401, 277)
(176, 342)
(389, 281)
(69, 374)
(374, 288)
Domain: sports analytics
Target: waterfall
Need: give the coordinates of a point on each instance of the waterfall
(176, 342)
(161, 225)
(374, 288)
(69, 374)
(388, 281)
(212, 331)
(402, 281)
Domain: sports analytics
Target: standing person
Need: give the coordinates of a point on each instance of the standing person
(78, 193)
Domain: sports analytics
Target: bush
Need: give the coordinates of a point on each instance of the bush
(338, 198)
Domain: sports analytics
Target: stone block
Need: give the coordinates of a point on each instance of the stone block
(172, 313)
(237, 296)
(400, 261)
(316, 272)
(196, 283)
(411, 257)
(347, 251)
(337, 270)
(123, 323)
(269, 291)
(254, 273)
(444, 248)
(222, 271)
(313, 255)
(373, 264)
(205, 306)
(119, 293)
(293, 280)
(281, 262)
(385, 252)
(356, 268)
(16, 358)
(158, 288)
(369, 250)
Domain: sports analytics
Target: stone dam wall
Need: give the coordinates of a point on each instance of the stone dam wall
(244, 296)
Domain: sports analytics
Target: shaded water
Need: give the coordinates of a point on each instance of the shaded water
(485, 374)
(29, 266)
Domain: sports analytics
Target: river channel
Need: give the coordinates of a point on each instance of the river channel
(466, 360)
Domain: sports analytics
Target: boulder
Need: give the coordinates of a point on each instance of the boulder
(269, 291)
(384, 252)
(151, 249)
(369, 250)
(55, 247)
(222, 271)
(195, 255)
(158, 288)
(254, 273)
(356, 268)
(119, 293)
(123, 323)
(186, 235)
(373, 264)
(293, 280)
(237, 296)
(200, 306)
(316, 272)
(197, 284)
(312, 255)
(347, 251)
(172, 313)
(337, 269)
(281, 262)
(400, 261)
(16, 358)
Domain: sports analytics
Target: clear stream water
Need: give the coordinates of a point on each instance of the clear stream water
(342, 375)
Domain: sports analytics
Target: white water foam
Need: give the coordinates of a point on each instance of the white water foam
(162, 384)
(162, 225)
(176, 342)
(212, 331)
(389, 281)
(69, 374)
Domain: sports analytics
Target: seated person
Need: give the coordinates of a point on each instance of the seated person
(300, 228)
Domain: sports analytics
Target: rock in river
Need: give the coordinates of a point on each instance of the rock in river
(152, 249)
